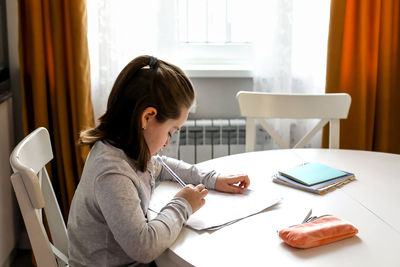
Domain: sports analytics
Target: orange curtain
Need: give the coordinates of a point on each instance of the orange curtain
(364, 61)
(55, 78)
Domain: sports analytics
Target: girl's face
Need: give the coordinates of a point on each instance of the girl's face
(156, 134)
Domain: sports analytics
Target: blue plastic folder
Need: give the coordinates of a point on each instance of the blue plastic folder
(312, 173)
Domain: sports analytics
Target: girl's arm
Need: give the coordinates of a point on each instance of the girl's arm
(189, 173)
(121, 203)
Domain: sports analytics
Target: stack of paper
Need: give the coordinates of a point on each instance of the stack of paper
(313, 177)
(221, 209)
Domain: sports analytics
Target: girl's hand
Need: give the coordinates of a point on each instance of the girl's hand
(194, 195)
(232, 183)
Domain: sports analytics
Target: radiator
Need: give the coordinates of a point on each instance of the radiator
(200, 140)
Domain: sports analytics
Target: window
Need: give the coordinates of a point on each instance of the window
(213, 21)
(204, 34)
(214, 33)
(281, 44)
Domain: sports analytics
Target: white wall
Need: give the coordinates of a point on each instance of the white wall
(9, 214)
(13, 58)
(10, 133)
(216, 97)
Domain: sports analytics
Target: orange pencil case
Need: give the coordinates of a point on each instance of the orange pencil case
(320, 231)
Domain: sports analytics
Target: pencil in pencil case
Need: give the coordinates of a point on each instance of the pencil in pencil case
(323, 230)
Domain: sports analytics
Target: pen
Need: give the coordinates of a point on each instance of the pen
(307, 217)
(171, 172)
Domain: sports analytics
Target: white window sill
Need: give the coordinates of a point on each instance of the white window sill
(218, 71)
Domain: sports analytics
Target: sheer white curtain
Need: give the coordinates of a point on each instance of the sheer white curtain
(119, 30)
(290, 55)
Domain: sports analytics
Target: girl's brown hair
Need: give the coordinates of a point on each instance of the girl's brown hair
(145, 82)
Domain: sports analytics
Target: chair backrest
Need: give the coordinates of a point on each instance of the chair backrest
(34, 192)
(257, 106)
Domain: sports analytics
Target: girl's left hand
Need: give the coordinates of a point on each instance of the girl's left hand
(232, 183)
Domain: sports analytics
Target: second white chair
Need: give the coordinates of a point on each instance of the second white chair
(257, 106)
(35, 193)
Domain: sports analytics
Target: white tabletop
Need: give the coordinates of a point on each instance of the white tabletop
(370, 203)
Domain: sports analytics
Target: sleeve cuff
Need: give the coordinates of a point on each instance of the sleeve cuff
(209, 182)
(185, 203)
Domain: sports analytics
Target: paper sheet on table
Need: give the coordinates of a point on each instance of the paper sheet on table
(221, 209)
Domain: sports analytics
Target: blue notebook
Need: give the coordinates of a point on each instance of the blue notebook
(312, 173)
(320, 188)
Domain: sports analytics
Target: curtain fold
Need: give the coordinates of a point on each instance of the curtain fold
(290, 57)
(363, 60)
(55, 79)
(119, 31)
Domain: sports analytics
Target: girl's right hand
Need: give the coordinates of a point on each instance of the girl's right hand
(194, 195)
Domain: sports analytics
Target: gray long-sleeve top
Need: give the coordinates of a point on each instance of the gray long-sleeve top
(107, 224)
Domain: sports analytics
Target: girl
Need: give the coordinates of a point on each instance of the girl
(107, 224)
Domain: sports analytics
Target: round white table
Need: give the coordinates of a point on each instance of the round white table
(370, 203)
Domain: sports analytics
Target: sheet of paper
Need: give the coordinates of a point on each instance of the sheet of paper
(221, 209)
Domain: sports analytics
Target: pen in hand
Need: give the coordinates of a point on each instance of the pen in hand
(176, 177)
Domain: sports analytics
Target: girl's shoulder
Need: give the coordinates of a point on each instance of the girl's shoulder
(106, 149)
(104, 157)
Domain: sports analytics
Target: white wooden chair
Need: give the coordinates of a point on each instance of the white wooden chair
(34, 192)
(257, 106)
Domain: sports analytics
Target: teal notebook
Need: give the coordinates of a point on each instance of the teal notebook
(320, 188)
(312, 173)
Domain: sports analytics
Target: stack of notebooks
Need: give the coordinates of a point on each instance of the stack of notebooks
(313, 177)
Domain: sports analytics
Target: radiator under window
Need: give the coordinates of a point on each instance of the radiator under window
(203, 139)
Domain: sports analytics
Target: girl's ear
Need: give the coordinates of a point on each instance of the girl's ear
(148, 114)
